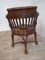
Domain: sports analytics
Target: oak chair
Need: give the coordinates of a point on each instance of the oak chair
(23, 21)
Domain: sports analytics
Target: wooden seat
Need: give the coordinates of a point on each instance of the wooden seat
(23, 21)
(23, 30)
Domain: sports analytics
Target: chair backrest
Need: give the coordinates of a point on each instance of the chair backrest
(19, 17)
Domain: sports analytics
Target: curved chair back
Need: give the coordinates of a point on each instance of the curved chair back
(22, 17)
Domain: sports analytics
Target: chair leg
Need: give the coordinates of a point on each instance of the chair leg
(12, 40)
(26, 51)
(35, 36)
(25, 43)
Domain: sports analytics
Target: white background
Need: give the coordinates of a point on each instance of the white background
(41, 18)
(4, 4)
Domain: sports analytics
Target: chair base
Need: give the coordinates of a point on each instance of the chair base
(25, 41)
(25, 51)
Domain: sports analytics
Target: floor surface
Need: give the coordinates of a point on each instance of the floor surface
(7, 52)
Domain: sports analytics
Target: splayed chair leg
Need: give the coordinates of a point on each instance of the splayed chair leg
(26, 51)
(35, 36)
(25, 43)
(12, 40)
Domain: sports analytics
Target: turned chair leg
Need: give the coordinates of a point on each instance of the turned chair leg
(12, 40)
(25, 43)
(35, 36)
(26, 51)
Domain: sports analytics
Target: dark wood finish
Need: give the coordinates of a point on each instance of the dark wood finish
(22, 21)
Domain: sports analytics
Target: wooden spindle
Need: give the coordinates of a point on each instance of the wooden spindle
(26, 21)
(23, 22)
(17, 22)
(31, 20)
(10, 23)
(14, 22)
(20, 22)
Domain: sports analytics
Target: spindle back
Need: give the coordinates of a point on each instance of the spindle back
(22, 17)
